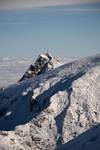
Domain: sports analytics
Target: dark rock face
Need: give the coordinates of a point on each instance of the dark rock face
(43, 63)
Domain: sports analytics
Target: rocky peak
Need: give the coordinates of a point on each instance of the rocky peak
(43, 63)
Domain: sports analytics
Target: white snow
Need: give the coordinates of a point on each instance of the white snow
(51, 110)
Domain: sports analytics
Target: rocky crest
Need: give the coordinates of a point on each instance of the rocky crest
(43, 63)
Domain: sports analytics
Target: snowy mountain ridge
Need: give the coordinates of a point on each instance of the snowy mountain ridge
(12, 69)
(48, 111)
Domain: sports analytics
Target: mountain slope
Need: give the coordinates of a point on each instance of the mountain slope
(87, 140)
(47, 111)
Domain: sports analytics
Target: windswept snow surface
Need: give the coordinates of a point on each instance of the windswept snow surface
(54, 110)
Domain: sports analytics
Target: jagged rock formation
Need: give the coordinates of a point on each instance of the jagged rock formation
(43, 63)
(53, 110)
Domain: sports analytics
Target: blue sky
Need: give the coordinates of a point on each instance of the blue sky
(64, 30)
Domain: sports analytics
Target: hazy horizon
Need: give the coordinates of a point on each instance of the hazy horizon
(63, 28)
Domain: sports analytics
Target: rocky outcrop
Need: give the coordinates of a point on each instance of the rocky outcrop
(43, 63)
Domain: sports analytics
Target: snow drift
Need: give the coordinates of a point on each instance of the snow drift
(53, 110)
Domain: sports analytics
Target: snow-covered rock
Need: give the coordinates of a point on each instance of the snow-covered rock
(54, 110)
(43, 63)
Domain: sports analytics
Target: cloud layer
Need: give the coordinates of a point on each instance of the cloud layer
(29, 4)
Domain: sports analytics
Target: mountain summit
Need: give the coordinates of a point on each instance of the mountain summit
(56, 110)
(43, 63)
